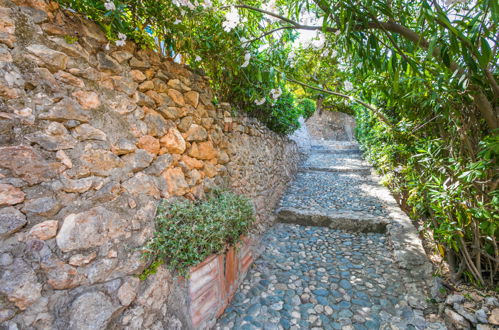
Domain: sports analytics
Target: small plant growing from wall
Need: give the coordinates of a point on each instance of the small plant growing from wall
(188, 232)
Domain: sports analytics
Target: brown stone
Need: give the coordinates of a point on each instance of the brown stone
(156, 124)
(192, 98)
(86, 132)
(124, 146)
(24, 163)
(81, 260)
(69, 79)
(192, 162)
(139, 160)
(141, 184)
(210, 170)
(66, 109)
(173, 141)
(125, 85)
(108, 64)
(7, 27)
(128, 291)
(52, 59)
(176, 181)
(160, 86)
(196, 133)
(185, 123)
(88, 100)
(169, 112)
(176, 96)
(137, 75)
(77, 186)
(101, 162)
(146, 86)
(63, 158)
(61, 276)
(45, 230)
(10, 195)
(494, 317)
(121, 56)
(203, 150)
(138, 64)
(149, 143)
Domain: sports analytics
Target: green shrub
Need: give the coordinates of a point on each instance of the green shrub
(307, 107)
(187, 232)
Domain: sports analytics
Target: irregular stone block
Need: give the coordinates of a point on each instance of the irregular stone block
(20, 284)
(89, 229)
(52, 59)
(91, 310)
(10, 195)
(11, 220)
(24, 163)
(45, 230)
(173, 141)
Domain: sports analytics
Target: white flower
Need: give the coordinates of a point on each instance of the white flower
(121, 41)
(106, 47)
(276, 93)
(348, 86)
(243, 40)
(177, 21)
(319, 42)
(325, 53)
(207, 4)
(334, 53)
(351, 98)
(232, 19)
(197, 59)
(109, 5)
(260, 102)
(247, 58)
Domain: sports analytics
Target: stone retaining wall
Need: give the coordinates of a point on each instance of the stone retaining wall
(331, 125)
(90, 139)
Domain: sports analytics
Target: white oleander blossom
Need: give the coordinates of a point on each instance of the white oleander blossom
(232, 19)
(276, 93)
(348, 86)
(247, 58)
(184, 3)
(109, 5)
(177, 21)
(319, 41)
(197, 59)
(121, 40)
(207, 4)
(260, 101)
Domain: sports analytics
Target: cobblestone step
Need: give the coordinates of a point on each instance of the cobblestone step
(329, 192)
(321, 278)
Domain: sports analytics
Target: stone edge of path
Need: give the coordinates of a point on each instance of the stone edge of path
(402, 236)
(338, 169)
(349, 221)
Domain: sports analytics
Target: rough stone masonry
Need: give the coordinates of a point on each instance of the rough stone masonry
(90, 140)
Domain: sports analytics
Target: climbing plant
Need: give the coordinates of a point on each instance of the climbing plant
(421, 76)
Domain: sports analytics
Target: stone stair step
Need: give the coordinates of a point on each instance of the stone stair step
(349, 221)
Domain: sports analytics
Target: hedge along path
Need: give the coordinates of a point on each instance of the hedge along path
(342, 256)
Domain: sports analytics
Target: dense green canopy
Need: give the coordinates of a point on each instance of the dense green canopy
(420, 76)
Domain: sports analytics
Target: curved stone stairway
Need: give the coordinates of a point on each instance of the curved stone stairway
(343, 256)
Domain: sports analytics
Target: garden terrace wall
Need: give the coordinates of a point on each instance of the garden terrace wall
(90, 140)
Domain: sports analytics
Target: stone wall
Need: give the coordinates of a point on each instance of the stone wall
(91, 138)
(331, 125)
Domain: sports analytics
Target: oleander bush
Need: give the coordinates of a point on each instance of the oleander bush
(188, 232)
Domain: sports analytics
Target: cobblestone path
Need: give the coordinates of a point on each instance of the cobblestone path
(317, 277)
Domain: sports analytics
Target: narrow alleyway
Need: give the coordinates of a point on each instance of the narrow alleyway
(339, 273)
